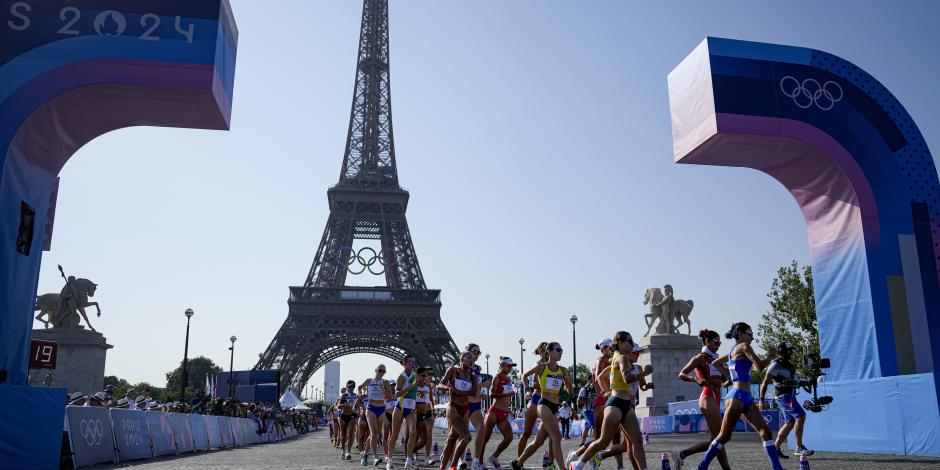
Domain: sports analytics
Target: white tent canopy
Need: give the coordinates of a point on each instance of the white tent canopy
(289, 400)
(301, 407)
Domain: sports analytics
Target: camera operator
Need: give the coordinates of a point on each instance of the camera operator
(783, 374)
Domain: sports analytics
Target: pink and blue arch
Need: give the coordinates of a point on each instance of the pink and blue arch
(858, 167)
(70, 72)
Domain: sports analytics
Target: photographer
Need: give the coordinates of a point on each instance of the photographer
(783, 374)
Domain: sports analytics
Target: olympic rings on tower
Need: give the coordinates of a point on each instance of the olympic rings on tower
(809, 92)
(348, 256)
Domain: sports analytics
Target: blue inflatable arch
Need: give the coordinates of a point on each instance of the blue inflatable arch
(69, 72)
(859, 168)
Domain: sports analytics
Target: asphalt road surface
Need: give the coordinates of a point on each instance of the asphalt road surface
(313, 451)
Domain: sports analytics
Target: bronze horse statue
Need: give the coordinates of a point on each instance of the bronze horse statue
(62, 309)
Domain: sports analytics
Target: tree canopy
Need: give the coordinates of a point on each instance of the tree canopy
(792, 314)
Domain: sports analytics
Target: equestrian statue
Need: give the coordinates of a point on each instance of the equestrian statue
(63, 309)
(671, 312)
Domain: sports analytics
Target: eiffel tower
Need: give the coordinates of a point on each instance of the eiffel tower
(327, 319)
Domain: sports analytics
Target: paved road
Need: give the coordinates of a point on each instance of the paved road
(313, 451)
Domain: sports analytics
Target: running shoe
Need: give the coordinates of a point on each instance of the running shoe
(571, 456)
(515, 465)
(378, 461)
(576, 465)
(802, 450)
(676, 459)
(364, 459)
(495, 463)
(475, 465)
(389, 466)
(781, 454)
(430, 462)
(596, 461)
(347, 456)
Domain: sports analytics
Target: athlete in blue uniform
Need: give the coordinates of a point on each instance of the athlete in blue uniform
(739, 401)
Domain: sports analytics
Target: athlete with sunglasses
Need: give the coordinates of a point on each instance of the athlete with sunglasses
(709, 377)
(497, 415)
(619, 414)
(551, 378)
(406, 391)
(346, 403)
(424, 409)
(532, 407)
(476, 400)
(739, 401)
(461, 383)
(376, 389)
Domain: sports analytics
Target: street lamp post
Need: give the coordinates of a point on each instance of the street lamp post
(522, 370)
(185, 375)
(574, 360)
(487, 373)
(231, 363)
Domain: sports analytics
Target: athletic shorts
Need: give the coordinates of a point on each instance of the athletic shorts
(744, 396)
(423, 416)
(790, 408)
(588, 416)
(598, 402)
(621, 404)
(501, 415)
(377, 410)
(475, 407)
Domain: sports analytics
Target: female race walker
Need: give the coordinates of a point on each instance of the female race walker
(497, 415)
(601, 393)
(739, 401)
(551, 377)
(532, 407)
(476, 401)
(424, 421)
(709, 377)
(406, 391)
(376, 389)
(461, 383)
(618, 410)
(347, 430)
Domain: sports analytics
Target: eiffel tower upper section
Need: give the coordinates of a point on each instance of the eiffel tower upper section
(369, 162)
(368, 202)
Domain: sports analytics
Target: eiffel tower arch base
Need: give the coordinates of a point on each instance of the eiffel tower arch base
(324, 324)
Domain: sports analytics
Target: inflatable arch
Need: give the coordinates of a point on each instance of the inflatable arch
(70, 72)
(858, 167)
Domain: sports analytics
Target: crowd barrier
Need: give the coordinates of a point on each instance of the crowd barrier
(110, 435)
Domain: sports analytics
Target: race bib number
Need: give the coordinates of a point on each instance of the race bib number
(408, 403)
(391, 405)
(508, 388)
(462, 385)
(553, 383)
(376, 393)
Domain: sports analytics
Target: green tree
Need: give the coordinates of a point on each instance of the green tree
(792, 314)
(196, 370)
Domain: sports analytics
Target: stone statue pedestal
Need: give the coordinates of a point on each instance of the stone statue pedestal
(668, 354)
(80, 361)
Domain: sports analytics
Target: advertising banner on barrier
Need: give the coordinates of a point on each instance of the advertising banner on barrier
(689, 423)
(200, 437)
(225, 430)
(238, 431)
(131, 434)
(91, 435)
(182, 432)
(161, 433)
(657, 425)
(212, 431)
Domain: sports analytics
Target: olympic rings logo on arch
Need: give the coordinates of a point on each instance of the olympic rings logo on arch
(92, 430)
(366, 257)
(809, 92)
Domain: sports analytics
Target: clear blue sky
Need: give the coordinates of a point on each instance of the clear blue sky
(534, 137)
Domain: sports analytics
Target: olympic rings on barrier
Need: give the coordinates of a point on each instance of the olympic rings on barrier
(348, 256)
(92, 431)
(809, 92)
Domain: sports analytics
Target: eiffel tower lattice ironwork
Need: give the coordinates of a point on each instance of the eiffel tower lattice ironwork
(326, 319)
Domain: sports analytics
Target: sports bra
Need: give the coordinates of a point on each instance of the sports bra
(408, 381)
(616, 378)
(635, 386)
(550, 381)
(740, 369)
(422, 393)
(376, 390)
(707, 371)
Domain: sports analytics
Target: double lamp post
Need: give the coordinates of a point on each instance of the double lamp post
(184, 382)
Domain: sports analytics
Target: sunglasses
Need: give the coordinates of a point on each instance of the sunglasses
(422, 375)
(558, 350)
(381, 371)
